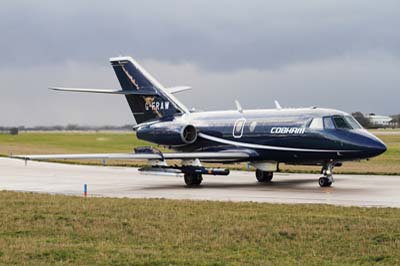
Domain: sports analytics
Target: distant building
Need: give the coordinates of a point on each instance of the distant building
(12, 130)
(380, 120)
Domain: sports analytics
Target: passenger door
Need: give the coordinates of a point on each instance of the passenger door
(238, 128)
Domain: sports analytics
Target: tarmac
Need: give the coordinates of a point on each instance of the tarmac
(107, 181)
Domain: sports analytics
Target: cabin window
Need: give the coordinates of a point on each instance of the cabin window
(340, 122)
(252, 126)
(316, 123)
(328, 123)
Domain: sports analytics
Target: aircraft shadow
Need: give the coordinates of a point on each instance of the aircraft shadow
(297, 185)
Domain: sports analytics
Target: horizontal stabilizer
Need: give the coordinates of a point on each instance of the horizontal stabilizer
(121, 92)
(177, 89)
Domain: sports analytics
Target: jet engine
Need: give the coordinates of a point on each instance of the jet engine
(168, 134)
(189, 134)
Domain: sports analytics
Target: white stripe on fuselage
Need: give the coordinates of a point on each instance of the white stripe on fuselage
(264, 147)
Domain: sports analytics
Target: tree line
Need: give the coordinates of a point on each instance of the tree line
(359, 116)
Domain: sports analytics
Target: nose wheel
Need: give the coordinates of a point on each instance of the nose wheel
(325, 181)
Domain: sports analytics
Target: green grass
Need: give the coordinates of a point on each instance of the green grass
(39, 229)
(65, 142)
(70, 142)
(45, 143)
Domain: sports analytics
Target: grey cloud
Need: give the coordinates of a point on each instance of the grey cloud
(339, 54)
(218, 35)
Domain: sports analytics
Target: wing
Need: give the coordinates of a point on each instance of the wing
(225, 155)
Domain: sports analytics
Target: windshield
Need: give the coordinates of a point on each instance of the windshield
(340, 122)
(353, 122)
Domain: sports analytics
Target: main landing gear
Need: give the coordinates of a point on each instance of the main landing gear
(327, 171)
(193, 179)
(264, 176)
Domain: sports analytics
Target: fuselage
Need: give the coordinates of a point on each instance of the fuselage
(300, 136)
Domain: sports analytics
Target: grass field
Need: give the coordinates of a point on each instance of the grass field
(44, 143)
(38, 229)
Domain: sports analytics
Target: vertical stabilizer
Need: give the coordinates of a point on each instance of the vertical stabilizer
(148, 99)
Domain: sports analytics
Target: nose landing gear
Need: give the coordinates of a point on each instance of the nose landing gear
(327, 171)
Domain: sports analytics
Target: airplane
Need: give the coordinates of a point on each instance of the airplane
(262, 138)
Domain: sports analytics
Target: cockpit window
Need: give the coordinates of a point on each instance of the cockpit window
(328, 123)
(316, 123)
(352, 122)
(341, 123)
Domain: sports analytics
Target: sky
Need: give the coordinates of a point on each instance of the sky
(339, 54)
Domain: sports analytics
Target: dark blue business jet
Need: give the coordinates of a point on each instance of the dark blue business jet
(263, 138)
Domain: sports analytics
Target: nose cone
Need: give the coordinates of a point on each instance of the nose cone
(373, 145)
(378, 147)
(363, 143)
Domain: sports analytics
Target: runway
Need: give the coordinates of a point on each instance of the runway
(105, 181)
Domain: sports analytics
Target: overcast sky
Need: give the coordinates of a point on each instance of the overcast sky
(338, 54)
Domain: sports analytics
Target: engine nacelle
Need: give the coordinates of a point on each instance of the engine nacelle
(168, 134)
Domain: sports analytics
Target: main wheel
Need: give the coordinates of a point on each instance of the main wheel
(193, 179)
(324, 182)
(264, 176)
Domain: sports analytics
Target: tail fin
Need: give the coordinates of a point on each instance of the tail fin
(147, 98)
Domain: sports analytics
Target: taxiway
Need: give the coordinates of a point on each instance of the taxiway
(107, 181)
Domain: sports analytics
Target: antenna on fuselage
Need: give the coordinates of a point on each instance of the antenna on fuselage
(277, 105)
(238, 106)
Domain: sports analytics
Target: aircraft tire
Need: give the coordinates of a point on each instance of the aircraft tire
(192, 180)
(324, 182)
(264, 176)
